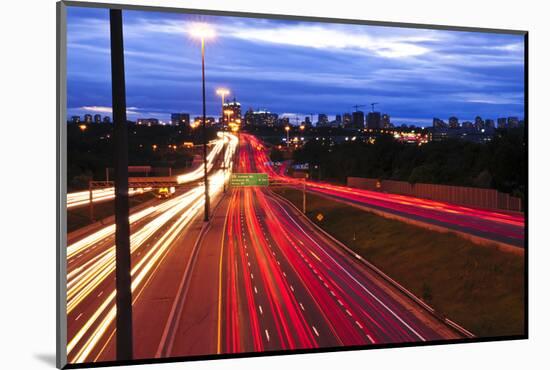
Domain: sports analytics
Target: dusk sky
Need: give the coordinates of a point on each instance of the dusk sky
(294, 68)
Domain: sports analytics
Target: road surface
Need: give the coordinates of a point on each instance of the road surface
(282, 285)
(500, 226)
(161, 238)
(258, 277)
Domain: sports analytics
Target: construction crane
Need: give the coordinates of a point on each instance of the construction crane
(372, 105)
(358, 106)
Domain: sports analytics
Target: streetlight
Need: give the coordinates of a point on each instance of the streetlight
(229, 113)
(202, 31)
(287, 129)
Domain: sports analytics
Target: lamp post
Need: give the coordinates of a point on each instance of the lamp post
(287, 129)
(123, 261)
(203, 32)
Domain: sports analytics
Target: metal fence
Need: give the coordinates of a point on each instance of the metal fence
(475, 197)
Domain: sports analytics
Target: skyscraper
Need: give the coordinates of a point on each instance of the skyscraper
(374, 120)
(235, 107)
(438, 123)
(453, 122)
(386, 122)
(264, 118)
(87, 118)
(75, 119)
(249, 117)
(358, 119)
(347, 120)
(501, 122)
(479, 123)
(97, 118)
(322, 120)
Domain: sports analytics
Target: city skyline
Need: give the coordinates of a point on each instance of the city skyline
(268, 64)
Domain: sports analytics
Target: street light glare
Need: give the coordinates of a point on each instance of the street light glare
(222, 91)
(202, 31)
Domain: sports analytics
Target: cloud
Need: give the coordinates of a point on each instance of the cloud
(290, 66)
(307, 35)
(494, 98)
(101, 109)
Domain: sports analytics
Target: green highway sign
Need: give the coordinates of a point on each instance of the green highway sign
(249, 179)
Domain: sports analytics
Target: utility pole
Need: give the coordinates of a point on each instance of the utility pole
(124, 337)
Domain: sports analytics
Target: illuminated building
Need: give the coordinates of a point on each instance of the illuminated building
(322, 120)
(181, 119)
(385, 121)
(235, 107)
(147, 121)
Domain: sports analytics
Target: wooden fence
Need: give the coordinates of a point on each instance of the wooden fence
(475, 197)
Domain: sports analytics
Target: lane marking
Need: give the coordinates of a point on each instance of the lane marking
(267, 335)
(260, 308)
(78, 317)
(352, 277)
(302, 306)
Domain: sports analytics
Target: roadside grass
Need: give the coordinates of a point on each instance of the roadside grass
(479, 287)
(80, 216)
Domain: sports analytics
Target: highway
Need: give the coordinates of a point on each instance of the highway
(258, 277)
(492, 225)
(282, 285)
(82, 198)
(156, 232)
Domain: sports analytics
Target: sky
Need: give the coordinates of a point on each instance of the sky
(294, 68)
